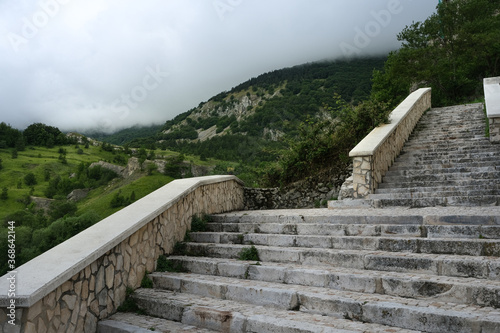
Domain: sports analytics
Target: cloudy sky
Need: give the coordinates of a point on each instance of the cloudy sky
(111, 64)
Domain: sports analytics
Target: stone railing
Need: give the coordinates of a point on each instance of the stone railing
(492, 99)
(83, 280)
(373, 156)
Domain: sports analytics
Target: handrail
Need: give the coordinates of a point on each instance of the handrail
(94, 268)
(492, 101)
(373, 156)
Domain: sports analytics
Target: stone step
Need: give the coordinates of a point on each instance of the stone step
(405, 183)
(468, 247)
(134, 323)
(445, 148)
(225, 315)
(458, 189)
(475, 128)
(421, 314)
(455, 122)
(320, 218)
(427, 124)
(415, 286)
(401, 165)
(384, 230)
(450, 156)
(438, 193)
(366, 216)
(437, 264)
(444, 177)
(452, 121)
(483, 200)
(442, 171)
(416, 161)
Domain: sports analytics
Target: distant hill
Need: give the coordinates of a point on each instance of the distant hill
(250, 122)
(126, 135)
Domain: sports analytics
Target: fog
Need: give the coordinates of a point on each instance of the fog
(107, 65)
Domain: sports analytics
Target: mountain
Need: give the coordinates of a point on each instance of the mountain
(126, 135)
(253, 120)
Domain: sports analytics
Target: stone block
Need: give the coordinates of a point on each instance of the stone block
(232, 269)
(465, 268)
(308, 277)
(277, 297)
(330, 305)
(353, 282)
(267, 273)
(213, 319)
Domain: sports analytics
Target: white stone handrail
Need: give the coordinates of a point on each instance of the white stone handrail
(492, 101)
(85, 278)
(373, 156)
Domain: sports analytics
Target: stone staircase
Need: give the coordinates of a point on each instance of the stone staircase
(370, 270)
(447, 161)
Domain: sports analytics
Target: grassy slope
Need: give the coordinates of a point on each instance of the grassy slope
(38, 159)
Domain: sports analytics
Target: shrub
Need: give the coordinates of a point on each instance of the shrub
(165, 265)
(146, 281)
(30, 179)
(249, 254)
(199, 224)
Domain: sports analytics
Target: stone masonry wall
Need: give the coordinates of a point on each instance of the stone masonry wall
(494, 129)
(368, 170)
(312, 192)
(95, 292)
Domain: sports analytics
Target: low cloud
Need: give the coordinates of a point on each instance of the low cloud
(92, 64)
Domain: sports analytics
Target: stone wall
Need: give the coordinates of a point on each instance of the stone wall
(308, 193)
(98, 280)
(492, 101)
(373, 156)
(494, 129)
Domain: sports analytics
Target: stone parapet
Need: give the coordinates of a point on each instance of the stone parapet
(494, 129)
(373, 156)
(492, 100)
(83, 280)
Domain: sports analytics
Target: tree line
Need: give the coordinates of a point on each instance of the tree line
(37, 134)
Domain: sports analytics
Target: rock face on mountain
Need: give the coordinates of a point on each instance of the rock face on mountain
(113, 167)
(78, 194)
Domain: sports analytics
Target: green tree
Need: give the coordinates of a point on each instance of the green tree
(451, 51)
(60, 209)
(42, 135)
(20, 145)
(14, 153)
(152, 167)
(5, 194)
(118, 200)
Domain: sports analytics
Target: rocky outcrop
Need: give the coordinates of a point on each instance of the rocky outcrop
(133, 165)
(113, 167)
(41, 203)
(78, 194)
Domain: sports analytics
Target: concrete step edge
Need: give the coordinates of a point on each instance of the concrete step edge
(134, 323)
(352, 230)
(442, 289)
(434, 264)
(352, 305)
(468, 247)
(231, 316)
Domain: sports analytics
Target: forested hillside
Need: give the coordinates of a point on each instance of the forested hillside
(253, 122)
